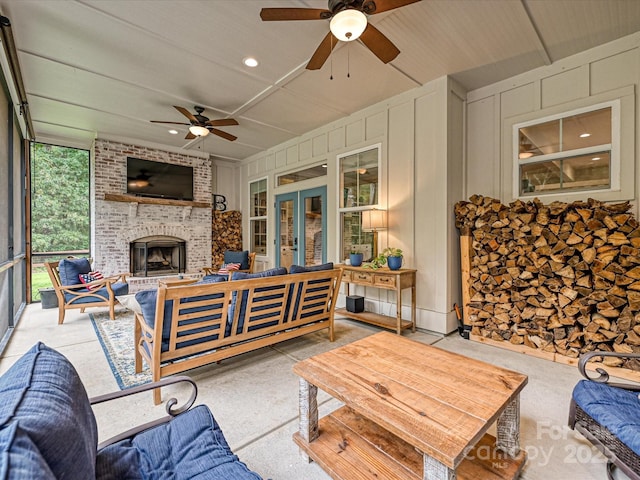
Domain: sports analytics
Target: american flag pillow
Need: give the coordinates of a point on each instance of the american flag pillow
(229, 267)
(91, 277)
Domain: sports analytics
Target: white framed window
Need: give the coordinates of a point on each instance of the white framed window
(258, 216)
(574, 151)
(359, 182)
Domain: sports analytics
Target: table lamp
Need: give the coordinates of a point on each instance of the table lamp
(374, 220)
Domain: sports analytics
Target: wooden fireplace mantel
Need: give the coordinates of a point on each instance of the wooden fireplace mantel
(119, 197)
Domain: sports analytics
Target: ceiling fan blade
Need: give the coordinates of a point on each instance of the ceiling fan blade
(322, 52)
(186, 113)
(223, 122)
(371, 7)
(170, 123)
(222, 134)
(275, 14)
(379, 44)
(190, 136)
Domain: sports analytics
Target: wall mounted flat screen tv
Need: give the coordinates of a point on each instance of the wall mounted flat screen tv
(146, 178)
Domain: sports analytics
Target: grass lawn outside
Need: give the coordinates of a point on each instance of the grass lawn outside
(39, 279)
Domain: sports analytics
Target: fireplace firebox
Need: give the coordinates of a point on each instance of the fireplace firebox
(158, 255)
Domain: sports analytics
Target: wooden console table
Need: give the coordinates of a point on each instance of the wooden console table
(386, 279)
(411, 412)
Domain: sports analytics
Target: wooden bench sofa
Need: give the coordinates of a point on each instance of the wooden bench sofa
(186, 326)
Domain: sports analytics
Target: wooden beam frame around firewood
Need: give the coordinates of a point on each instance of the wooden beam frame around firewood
(554, 281)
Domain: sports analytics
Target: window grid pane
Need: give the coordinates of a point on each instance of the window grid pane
(567, 140)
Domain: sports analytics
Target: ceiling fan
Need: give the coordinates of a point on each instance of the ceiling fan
(201, 126)
(348, 22)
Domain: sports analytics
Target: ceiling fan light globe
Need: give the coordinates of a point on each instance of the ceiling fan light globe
(348, 25)
(198, 131)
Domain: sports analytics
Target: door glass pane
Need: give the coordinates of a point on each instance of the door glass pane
(313, 230)
(288, 242)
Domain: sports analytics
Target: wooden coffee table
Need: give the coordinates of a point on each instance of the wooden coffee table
(411, 411)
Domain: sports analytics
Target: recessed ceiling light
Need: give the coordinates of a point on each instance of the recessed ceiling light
(250, 62)
(585, 135)
(324, 165)
(173, 132)
(595, 159)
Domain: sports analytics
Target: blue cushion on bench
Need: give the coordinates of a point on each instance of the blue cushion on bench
(43, 395)
(190, 446)
(311, 268)
(316, 294)
(119, 288)
(273, 272)
(148, 303)
(614, 408)
(237, 257)
(71, 268)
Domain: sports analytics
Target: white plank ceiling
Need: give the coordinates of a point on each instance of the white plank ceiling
(98, 68)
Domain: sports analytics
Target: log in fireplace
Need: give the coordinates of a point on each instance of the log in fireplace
(157, 255)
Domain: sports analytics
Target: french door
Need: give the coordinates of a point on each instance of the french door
(301, 227)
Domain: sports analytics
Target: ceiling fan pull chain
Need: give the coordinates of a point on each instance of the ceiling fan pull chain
(348, 61)
(331, 55)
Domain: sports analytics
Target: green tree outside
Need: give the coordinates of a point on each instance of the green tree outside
(60, 212)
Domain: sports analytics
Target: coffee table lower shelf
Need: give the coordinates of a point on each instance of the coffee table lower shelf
(376, 319)
(351, 447)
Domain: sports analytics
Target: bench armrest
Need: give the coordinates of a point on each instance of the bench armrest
(169, 406)
(603, 376)
(103, 282)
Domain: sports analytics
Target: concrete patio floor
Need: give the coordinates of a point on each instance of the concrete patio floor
(254, 396)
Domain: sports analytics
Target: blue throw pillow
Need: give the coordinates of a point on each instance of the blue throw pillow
(214, 278)
(42, 394)
(71, 268)
(312, 268)
(237, 257)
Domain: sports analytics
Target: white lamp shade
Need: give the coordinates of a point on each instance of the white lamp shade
(374, 220)
(348, 25)
(198, 131)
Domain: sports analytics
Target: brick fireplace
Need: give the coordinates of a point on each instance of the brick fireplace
(118, 224)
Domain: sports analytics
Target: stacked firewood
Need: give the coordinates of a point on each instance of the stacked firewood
(562, 277)
(226, 234)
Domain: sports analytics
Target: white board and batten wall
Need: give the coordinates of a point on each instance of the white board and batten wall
(440, 145)
(421, 134)
(602, 74)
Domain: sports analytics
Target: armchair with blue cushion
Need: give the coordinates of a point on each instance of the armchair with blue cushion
(245, 258)
(73, 293)
(48, 430)
(608, 415)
